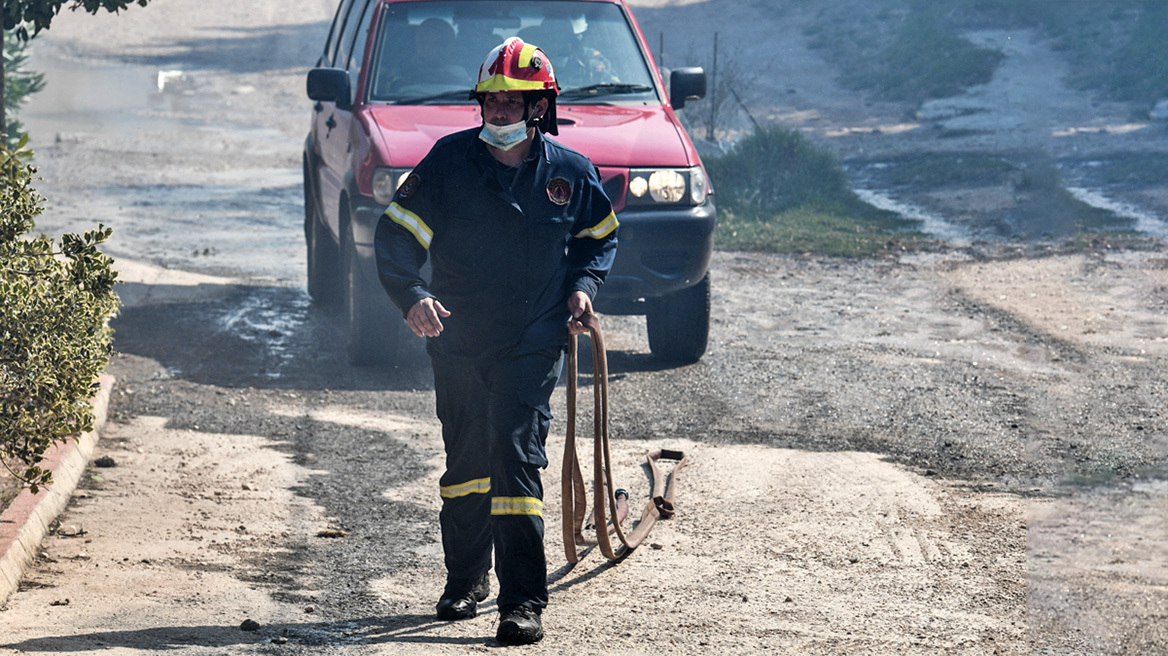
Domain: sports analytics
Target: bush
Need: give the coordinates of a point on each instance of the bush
(776, 169)
(778, 192)
(924, 60)
(19, 84)
(903, 50)
(55, 338)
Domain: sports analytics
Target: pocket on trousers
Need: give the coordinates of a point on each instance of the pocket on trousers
(532, 444)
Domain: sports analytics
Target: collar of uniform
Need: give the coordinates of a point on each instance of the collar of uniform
(538, 146)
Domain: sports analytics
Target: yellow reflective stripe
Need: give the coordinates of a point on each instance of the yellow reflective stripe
(516, 506)
(411, 222)
(503, 83)
(477, 486)
(601, 229)
(525, 55)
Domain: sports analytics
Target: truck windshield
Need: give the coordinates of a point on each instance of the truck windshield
(430, 52)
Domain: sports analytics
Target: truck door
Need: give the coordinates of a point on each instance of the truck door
(333, 123)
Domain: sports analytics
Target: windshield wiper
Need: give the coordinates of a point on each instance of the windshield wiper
(461, 94)
(605, 89)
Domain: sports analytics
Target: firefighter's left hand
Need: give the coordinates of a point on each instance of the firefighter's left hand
(582, 319)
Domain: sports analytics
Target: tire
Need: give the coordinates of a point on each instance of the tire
(323, 256)
(375, 327)
(679, 324)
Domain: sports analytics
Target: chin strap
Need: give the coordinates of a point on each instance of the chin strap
(575, 513)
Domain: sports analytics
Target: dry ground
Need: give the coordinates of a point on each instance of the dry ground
(924, 454)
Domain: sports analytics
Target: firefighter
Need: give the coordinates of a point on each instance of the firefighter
(520, 236)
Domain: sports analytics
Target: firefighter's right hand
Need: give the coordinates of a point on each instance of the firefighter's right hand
(424, 318)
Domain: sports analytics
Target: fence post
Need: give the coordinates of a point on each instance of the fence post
(714, 94)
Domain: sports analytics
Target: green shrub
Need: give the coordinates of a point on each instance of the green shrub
(55, 339)
(903, 50)
(913, 49)
(773, 170)
(19, 84)
(924, 60)
(778, 192)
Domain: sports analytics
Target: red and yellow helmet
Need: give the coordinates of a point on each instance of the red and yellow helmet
(517, 66)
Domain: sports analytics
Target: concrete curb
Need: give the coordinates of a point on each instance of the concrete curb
(25, 523)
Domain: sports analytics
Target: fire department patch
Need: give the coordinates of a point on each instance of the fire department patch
(559, 191)
(409, 187)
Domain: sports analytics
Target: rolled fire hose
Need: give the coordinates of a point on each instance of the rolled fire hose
(575, 514)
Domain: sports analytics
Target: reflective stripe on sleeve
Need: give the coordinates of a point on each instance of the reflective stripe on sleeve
(477, 486)
(516, 506)
(411, 222)
(600, 230)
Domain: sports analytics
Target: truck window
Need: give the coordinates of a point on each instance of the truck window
(348, 32)
(330, 46)
(357, 55)
(589, 44)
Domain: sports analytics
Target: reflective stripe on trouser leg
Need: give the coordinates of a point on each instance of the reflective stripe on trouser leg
(461, 399)
(517, 529)
(520, 388)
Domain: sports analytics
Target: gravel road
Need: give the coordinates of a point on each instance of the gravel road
(958, 452)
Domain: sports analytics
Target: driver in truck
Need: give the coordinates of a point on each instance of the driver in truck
(520, 236)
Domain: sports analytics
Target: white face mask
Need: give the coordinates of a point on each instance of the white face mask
(504, 137)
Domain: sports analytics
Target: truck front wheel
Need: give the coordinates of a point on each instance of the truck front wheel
(324, 261)
(679, 323)
(375, 327)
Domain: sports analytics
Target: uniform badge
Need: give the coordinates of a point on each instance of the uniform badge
(559, 191)
(409, 187)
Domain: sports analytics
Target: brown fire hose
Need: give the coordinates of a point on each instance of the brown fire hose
(575, 513)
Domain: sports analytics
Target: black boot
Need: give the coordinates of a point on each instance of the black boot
(519, 626)
(460, 598)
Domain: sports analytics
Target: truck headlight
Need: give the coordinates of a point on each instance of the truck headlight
(667, 186)
(385, 183)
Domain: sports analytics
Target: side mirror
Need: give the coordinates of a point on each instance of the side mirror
(686, 84)
(330, 85)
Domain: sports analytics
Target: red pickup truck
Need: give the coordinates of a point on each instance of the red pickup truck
(395, 76)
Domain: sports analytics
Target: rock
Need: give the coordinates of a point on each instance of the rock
(71, 531)
(279, 640)
(105, 462)
(310, 609)
(249, 625)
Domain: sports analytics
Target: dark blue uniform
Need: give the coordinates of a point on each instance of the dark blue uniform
(506, 248)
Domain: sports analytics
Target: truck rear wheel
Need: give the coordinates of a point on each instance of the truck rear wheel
(679, 323)
(375, 327)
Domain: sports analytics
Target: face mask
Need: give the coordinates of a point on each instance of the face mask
(504, 137)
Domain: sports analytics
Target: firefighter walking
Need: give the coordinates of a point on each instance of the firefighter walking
(520, 236)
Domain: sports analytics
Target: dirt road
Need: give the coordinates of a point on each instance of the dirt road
(955, 452)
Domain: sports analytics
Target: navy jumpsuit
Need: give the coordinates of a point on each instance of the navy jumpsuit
(506, 248)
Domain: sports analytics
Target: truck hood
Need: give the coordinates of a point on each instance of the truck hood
(614, 136)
